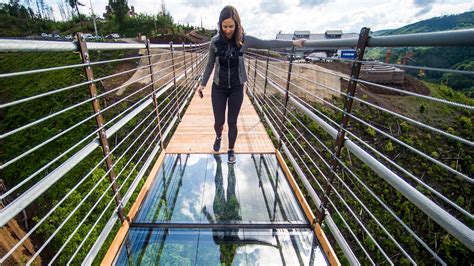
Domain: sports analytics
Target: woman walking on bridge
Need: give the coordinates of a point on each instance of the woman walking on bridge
(226, 57)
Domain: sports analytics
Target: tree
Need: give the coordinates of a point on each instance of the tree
(120, 9)
(62, 11)
(38, 8)
(165, 22)
(75, 4)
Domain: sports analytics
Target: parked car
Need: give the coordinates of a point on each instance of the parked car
(112, 36)
(88, 36)
(316, 57)
(295, 57)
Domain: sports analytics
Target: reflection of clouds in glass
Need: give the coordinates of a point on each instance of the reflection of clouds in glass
(186, 209)
(209, 188)
(263, 255)
(319, 257)
(191, 205)
(195, 159)
(294, 244)
(191, 191)
(242, 176)
(262, 235)
(208, 197)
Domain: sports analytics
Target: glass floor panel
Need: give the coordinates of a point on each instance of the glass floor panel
(200, 210)
(220, 247)
(204, 188)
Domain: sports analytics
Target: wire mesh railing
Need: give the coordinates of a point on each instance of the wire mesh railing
(57, 151)
(393, 185)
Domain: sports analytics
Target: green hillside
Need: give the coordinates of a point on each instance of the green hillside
(438, 57)
(449, 22)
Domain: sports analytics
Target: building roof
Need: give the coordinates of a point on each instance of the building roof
(284, 36)
(302, 32)
(334, 32)
(316, 36)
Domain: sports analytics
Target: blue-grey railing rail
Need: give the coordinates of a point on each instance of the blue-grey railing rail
(304, 114)
(134, 120)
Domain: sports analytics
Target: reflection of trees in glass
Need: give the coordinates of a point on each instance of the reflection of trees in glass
(225, 210)
(163, 202)
(161, 211)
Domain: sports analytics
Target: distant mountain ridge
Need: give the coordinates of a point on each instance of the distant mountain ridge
(449, 22)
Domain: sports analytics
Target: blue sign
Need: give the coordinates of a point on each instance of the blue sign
(348, 54)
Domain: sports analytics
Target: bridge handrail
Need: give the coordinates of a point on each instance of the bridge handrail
(188, 73)
(13, 45)
(267, 73)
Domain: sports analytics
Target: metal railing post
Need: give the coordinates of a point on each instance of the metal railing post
(192, 58)
(287, 95)
(174, 80)
(266, 79)
(153, 96)
(100, 123)
(248, 72)
(339, 143)
(255, 75)
(185, 67)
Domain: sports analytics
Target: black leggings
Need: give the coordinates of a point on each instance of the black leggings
(221, 97)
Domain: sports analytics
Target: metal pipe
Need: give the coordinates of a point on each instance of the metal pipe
(10, 45)
(441, 38)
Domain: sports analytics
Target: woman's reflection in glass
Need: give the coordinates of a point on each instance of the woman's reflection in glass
(226, 210)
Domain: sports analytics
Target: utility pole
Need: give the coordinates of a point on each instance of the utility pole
(93, 18)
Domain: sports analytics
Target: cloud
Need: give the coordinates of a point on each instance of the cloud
(425, 5)
(424, 10)
(273, 6)
(199, 3)
(191, 18)
(423, 2)
(311, 3)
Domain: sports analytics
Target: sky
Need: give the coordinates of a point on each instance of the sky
(265, 18)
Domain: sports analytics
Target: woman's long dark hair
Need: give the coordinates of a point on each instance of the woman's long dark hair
(231, 12)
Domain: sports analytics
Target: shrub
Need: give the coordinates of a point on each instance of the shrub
(370, 131)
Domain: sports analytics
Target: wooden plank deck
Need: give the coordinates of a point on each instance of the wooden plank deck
(195, 132)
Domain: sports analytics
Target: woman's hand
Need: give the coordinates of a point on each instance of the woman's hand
(299, 43)
(199, 90)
